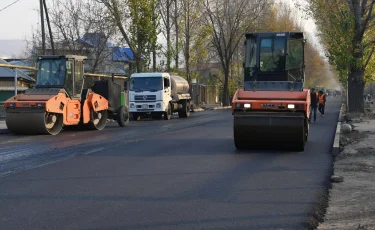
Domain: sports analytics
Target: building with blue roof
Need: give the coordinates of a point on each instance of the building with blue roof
(102, 55)
(7, 76)
(117, 59)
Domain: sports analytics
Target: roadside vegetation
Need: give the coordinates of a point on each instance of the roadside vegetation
(347, 34)
(184, 36)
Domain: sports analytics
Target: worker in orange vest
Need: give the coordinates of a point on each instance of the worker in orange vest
(322, 102)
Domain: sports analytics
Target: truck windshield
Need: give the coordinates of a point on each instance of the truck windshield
(272, 54)
(51, 73)
(146, 83)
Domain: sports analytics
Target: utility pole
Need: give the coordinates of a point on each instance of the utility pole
(42, 24)
(49, 27)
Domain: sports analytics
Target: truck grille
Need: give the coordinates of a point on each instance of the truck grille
(145, 97)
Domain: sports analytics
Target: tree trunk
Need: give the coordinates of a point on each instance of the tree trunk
(355, 91)
(168, 28)
(356, 78)
(139, 52)
(177, 31)
(225, 89)
(154, 59)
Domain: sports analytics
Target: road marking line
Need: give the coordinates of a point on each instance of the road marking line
(94, 150)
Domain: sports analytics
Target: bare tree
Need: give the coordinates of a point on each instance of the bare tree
(165, 9)
(140, 31)
(229, 20)
(192, 34)
(79, 27)
(177, 32)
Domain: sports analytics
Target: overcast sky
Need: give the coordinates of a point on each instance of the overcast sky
(20, 19)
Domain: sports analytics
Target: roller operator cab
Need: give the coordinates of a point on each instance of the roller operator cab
(59, 99)
(273, 107)
(158, 95)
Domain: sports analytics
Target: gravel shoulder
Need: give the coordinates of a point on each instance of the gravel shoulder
(352, 202)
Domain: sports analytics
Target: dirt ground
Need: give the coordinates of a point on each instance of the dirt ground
(352, 202)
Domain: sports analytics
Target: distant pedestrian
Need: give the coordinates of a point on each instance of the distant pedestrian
(322, 102)
(313, 103)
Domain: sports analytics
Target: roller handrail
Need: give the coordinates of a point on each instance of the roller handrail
(86, 74)
(18, 67)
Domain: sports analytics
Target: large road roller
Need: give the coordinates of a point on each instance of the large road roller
(59, 99)
(273, 108)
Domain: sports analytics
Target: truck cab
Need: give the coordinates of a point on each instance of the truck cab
(149, 93)
(158, 94)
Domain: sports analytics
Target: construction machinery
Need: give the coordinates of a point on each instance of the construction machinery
(62, 98)
(273, 107)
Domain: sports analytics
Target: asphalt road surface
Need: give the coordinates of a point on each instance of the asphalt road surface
(178, 174)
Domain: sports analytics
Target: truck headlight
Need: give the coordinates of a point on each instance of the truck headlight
(291, 106)
(158, 105)
(131, 105)
(247, 106)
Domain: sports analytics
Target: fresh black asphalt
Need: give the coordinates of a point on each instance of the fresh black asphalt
(177, 174)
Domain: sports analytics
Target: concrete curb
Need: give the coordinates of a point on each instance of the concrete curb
(336, 142)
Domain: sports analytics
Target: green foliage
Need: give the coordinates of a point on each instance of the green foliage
(144, 28)
(336, 23)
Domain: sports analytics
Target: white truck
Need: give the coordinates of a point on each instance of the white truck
(158, 94)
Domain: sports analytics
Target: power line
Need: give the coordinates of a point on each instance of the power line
(9, 5)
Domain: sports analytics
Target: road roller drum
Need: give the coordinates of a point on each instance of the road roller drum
(34, 122)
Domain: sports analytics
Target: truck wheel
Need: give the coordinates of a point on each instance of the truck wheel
(122, 116)
(168, 114)
(185, 112)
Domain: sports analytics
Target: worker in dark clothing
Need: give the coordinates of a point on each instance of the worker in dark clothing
(322, 102)
(313, 103)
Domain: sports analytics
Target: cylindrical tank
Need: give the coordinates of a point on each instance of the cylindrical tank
(179, 85)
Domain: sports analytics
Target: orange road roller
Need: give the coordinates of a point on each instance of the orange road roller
(273, 108)
(59, 99)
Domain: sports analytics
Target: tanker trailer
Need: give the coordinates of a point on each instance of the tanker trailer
(159, 95)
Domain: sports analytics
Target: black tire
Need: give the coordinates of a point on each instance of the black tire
(122, 116)
(185, 112)
(101, 123)
(168, 113)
